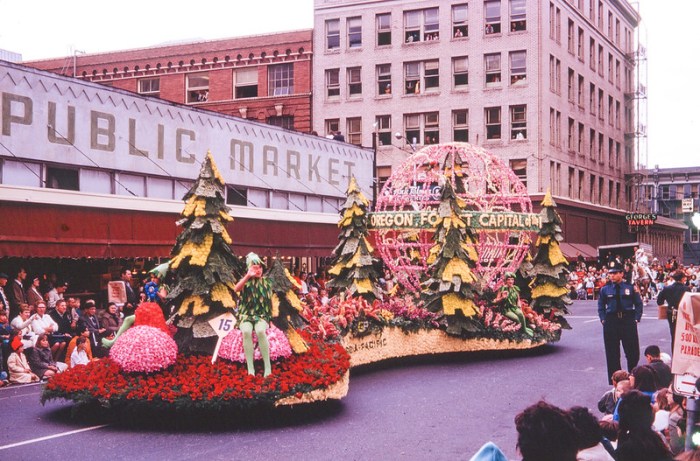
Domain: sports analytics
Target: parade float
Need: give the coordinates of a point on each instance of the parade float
(431, 270)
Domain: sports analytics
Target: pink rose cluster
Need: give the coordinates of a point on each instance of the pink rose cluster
(232, 345)
(144, 349)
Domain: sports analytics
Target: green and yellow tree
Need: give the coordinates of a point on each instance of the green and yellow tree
(353, 268)
(202, 262)
(452, 286)
(286, 305)
(549, 267)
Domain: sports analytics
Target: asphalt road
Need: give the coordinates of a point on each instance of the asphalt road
(434, 408)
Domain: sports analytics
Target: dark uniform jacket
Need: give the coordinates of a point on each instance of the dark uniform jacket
(630, 300)
(672, 295)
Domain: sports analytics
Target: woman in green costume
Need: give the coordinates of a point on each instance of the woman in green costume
(509, 298)
(255, 311)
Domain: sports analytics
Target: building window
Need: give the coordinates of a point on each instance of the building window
(694, 235)
(412, 126)
(149, 86)
(282, 121)
(570, 36)
(571, 85)
(384, 79)
(247, 83)
(460, 27)
(601, 146)
(517, 16)
(519, 167)
(280, 79)
(518, 122)
(354, 32)
(580, 49)
(431, 134)
(432, 75)
(333, 34)
(427, 124)
(460, 71)
(383, 175)
(460, 125)
(580, 90)
(384, 29)
(197, 88)
(62, 178)
(332, 126)
(236, 196)
(354, 81)
(601, 68)
(554, 74)
(354, 130)
(421, 25)
(333, 83)
(570, 135)
(591, 146)
(518, 67)
(492, 17)
(591, 98)
(412, 78)
(591, 54)
(383, 129)
(493, 122)
(581, 134)
(493, 69)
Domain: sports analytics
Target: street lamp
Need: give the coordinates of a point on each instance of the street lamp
(399, 136)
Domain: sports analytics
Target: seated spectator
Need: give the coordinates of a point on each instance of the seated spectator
(662, 408)
(66, 328)
(637, 440)
(72, 346)
(95, 330)
(546, 433)
(20, 372)
(79, 356)
(590, 436)
(643, 379)
(622, 388)
(44, 324)
(607, 403)
(110, 320)
(22, 325)
(489, 452)
(40, 360)
(675, 435)
(5, 336)
(661, 370)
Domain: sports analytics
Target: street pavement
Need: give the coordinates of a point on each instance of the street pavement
(442, 407)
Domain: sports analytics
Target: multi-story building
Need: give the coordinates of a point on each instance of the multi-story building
(541, 84)
(674, 193)
(265, 78)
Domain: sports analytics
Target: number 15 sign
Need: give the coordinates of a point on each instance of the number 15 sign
(222, 325)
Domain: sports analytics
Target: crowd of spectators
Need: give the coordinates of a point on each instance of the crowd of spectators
(586, 279)
(641, 419)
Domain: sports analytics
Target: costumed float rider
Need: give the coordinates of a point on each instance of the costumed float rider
(255, 311)
(508, 297)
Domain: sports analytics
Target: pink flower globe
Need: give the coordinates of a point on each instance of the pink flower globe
(232, 345)
(143, 349)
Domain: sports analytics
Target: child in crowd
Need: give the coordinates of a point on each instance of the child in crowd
(20, 372)
(79, 355)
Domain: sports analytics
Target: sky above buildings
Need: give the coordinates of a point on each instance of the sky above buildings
(44, 29)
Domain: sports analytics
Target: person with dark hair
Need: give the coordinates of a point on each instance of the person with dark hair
(637, 440)
(661, 370)
(671, 295)
(589, 435)
(643, 379)
(676, 423)
(546, 433)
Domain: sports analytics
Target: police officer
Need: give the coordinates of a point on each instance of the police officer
(619, 310)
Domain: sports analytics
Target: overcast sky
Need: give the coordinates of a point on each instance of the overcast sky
(44, 29)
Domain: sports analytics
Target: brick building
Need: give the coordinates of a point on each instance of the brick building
(543, 85)
(265, 78)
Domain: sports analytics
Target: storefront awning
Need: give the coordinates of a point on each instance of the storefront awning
(573, 250)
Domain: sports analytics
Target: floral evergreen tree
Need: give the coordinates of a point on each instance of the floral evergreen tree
(451, 288)
(286, 305)
(353, 268)
(204, 266)
(549, 267)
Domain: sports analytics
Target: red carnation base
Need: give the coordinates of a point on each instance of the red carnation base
(194, 382)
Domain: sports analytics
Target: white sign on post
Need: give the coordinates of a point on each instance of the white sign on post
(687, 205)
(222, 325)
(686, 350)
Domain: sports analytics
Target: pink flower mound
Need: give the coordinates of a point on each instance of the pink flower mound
(143, 349)
(232, 345)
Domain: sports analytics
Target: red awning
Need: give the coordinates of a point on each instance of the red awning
(573, 250)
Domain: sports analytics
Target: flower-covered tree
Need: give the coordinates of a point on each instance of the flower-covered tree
(205, 268)
(451, 288)
(549, 267)
(286, 305)
(353, 268)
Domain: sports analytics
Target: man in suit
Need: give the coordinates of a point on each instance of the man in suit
(16, 293)
(3, 296)
(132, 298)
(672, 295)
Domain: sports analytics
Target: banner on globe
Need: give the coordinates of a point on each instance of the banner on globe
(479, 220)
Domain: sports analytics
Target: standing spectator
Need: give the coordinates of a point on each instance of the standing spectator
(3, 296)
(638, 441)
(619, 310)
(132, 298)
(546, 433)
(661, 370)
(40, 360)
(671, 295)
(16, 294)
(590, 436)
(55, 294)
(33, 293)
(20, 372)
